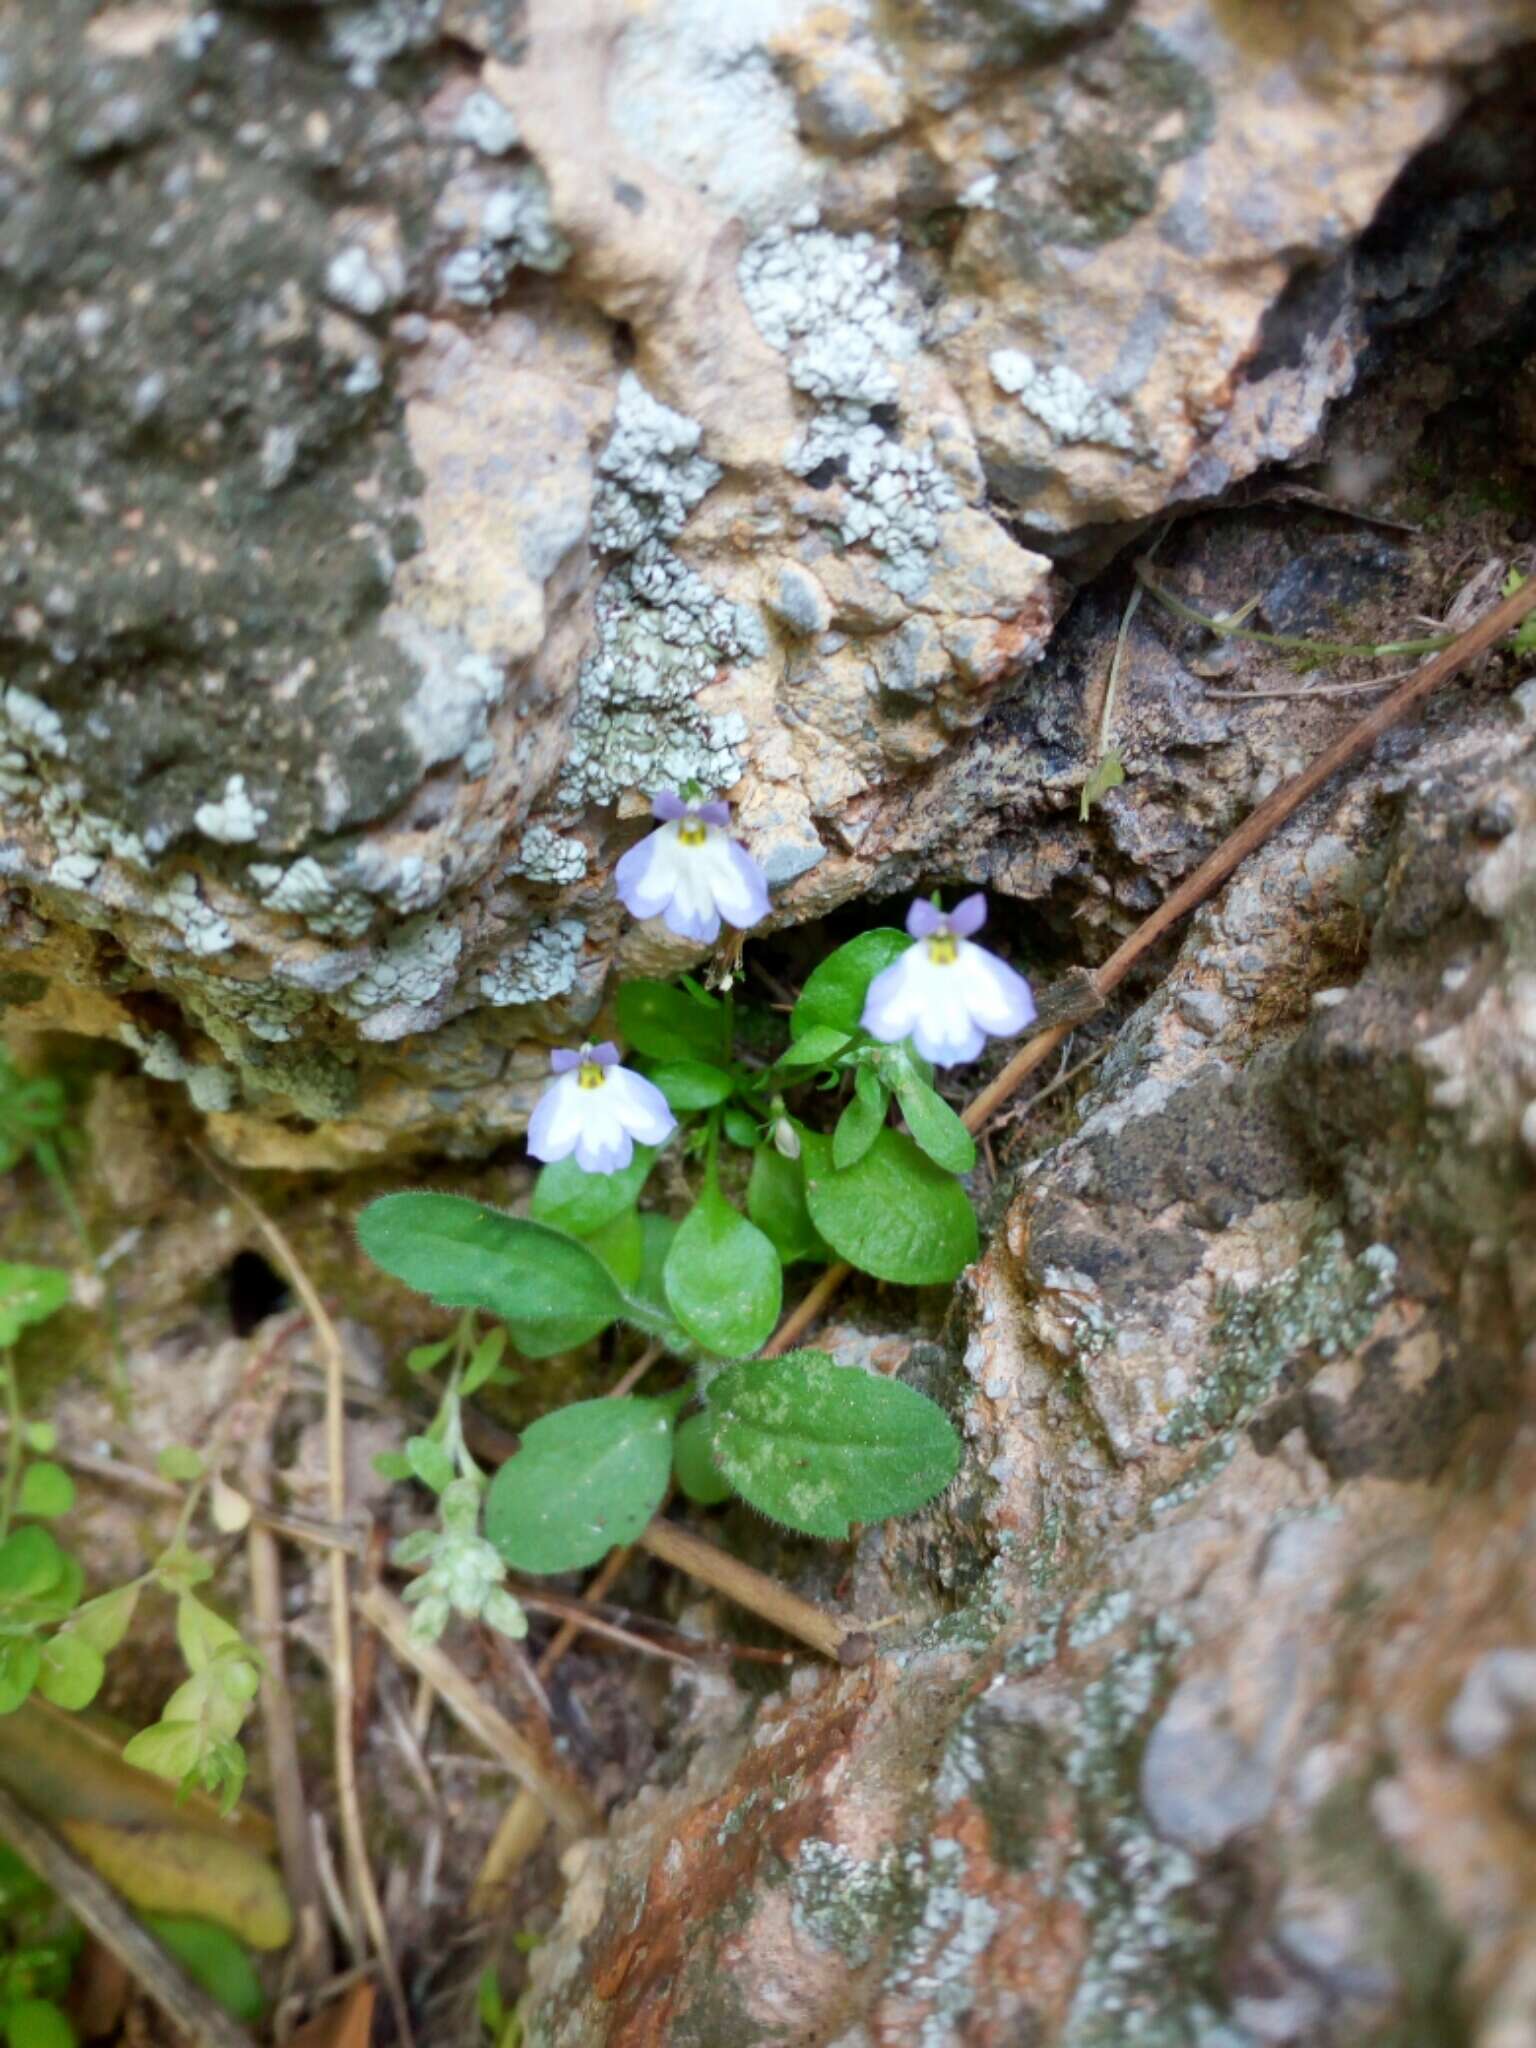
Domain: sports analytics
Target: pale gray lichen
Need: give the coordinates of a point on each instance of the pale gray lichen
(305, 889)
(368, 36)
(517, 231)
(545, 856)
(835, 306)
(456, 689)
(234, 819)
(400, 989)
(211, 1088)
(353, 280)
(1065, 404)
(543, 969)
(846, 1902)
(936, 1961)
(652, 475)
(37, 727)
(662, 635)
(266, 1009)
(486, 123)
(1326, 1304)
(201, 928)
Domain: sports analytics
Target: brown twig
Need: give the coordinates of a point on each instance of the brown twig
(94, 1903)
(333, 1359)
(755, 1591)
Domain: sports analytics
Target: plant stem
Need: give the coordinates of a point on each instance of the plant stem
(1297, 643)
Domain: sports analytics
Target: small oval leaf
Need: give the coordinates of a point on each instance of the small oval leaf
(568, 1198)
(693, 1461)
(834, 993)
(894, 1214)
(667, 1023)
(723, 1278)
(585, 1478)
(935, 1126)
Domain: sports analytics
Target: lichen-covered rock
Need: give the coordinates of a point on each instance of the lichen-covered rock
(432, 425)
(1227, 1736)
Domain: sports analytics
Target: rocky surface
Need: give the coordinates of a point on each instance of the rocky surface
(1226, 1734)
(433, 425)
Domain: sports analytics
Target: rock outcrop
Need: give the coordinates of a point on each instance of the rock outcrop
(433, 425)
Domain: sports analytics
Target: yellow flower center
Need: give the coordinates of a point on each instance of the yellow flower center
(943, 948)
(590, 1075)
(692, 832)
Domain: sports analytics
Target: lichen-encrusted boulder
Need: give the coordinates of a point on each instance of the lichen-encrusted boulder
(1227, 1736)
(434, 425)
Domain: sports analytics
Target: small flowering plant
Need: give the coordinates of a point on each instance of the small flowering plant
(786, 1158)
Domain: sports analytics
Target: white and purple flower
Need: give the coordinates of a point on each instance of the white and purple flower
(596, 1109)
(944, 993)
(691, 873)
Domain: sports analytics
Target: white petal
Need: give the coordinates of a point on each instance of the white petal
(691, 913)
(892, 1003)
(735, 880)
(556, 1123)
(604, 1145)
(949, 1038)
(647, 875)
(996, 997)
(639, 1105)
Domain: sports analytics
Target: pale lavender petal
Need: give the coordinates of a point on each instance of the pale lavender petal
(555, 1126)
(606, 1149)
(713, 814)
(640, 1106)
(692, 919)
(668, 805)
(745, 904)
(924, 918)
(643, 876)
(563, 1059)
(968, 915)
(604, 1055)
(996, 997)
(891, 1002)
(948, 1041)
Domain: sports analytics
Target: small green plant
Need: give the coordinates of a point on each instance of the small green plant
(54, 1643)
(773, 1181)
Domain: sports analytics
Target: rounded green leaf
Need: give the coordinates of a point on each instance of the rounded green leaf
(861, 1122)
(29, 1294)
(548, 1287)
(693, 1462)
(740, 1127)
(31, 1564)
(46, 1489)
(167, 1749)
(180, 1462)
(936, 1127)
(213, 1958)
(776, 1204)
(723, 1278)
(815, 1047)
(71, 1672)
(692, 1084)
(817, 1445)
(834, 994)
(104, 1621)
(21, 1658)
(667, 1023)
(37, 2023)
(585, 1478)
(568, 1198)
(894, 1214)
(620, 1245)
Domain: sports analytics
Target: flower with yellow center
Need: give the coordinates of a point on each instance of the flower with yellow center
(691, 873)
(946, 994)
(596, 1110)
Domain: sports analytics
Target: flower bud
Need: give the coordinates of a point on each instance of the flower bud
(786, 1139)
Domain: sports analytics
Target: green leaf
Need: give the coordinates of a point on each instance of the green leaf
(693, 1462)
(740, 1127)
(817, 1045)
(429, 1462)
(31, 1564)
(427, 1357)
(41, 1437)
(167, 1749)
(21, 1659)
(664, 1023)
(723, 1278)
(656, 1235)
(1108, 773)
(585, 1478)
(490, 2007)
(29, 1294)
(935, 1126)
(212, 1957)
(621, 1247)
(203, 1635)
(71, 1672)
(483, 1362)
(46, 1489)
(181, 1463)
(568, 1198)
(776, 1204)
(548, 1287)
(862, 1121)
(818, 1445)
(692, 1084)
(37, 2023)
(392, 1465)
(834, 994)
(104, 1621)
(895, 1214)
